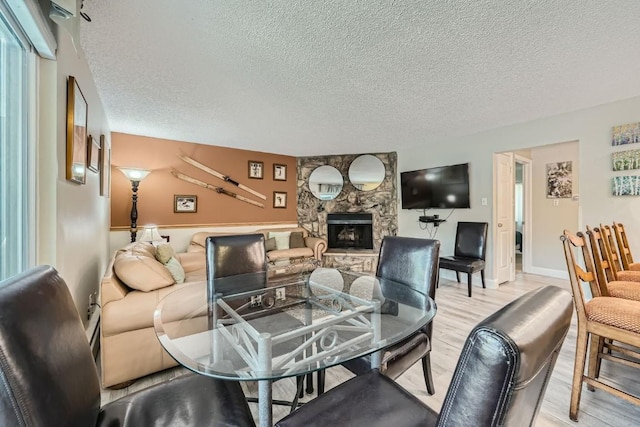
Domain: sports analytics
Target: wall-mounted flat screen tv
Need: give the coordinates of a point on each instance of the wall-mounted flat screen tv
(443, 187)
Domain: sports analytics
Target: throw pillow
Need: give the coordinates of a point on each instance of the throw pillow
(296, 240)
(165, 252)
(282, 238)
(141, 272)
(176, 270)
(270, 244)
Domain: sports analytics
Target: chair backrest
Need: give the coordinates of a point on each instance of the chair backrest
(577, 275)
(507, 361)
(471, 240)
(623, 245)
(599, 257)
(234, 258)
(614, 257)
(411, 261)
(47, 372)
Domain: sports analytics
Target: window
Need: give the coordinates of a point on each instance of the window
(16, 210)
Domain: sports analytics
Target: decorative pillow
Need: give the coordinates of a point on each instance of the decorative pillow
(176, 270)
(270, 244)
(282, 239)
(141, 272)
(296, 240)
(164, 252)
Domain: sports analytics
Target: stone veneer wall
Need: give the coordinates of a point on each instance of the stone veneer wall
(381, 202)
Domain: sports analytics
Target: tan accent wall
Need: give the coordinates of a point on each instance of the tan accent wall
(156, 192)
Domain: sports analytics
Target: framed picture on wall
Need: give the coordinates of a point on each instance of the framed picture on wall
(279, 199)
(256, 169)
(76, 133)
(93, 154)
(279, 172)
(105, 167)
(185, 204)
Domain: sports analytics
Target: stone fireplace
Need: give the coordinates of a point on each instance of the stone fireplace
(350, 231)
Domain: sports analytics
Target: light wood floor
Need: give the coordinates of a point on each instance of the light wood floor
(457, 315)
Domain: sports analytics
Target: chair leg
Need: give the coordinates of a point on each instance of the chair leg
(578, 372)
(458, 276)
(428, 376)
(299, 391)
(320, 379)
(309, 388)
(469, 276)
(482, 275)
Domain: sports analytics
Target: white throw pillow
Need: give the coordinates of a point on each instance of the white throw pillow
(176, 270)
(282, 238)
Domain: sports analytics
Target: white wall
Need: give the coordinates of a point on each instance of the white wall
(549, 219)
(590, 127)
(73, 220)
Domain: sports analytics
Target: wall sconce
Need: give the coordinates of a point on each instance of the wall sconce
(135, 176)
(151, 234)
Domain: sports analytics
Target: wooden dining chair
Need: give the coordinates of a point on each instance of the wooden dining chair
(623, 247)
(597, 260)
(500, 379)
(602, 321)
(610, 246)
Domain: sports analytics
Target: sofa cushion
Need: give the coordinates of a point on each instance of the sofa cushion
(282, 238)
(176, 270)
(164, 252)
(290, 253)
(296, 240)
(142, 272)
(270, 244)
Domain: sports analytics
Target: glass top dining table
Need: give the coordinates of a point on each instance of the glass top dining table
(248, 328)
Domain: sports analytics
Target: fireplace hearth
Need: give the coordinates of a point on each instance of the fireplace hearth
(350, 231)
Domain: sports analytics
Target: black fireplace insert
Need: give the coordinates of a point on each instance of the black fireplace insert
(350, 231)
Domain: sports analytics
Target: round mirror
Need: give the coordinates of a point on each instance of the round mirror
(325, 182)
(366, 172)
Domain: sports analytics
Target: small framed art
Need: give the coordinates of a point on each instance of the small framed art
(279, 199)
(105, 168)
(185, 204)
(76, 133)
(279, 172)
(93, 154)
(256, 169)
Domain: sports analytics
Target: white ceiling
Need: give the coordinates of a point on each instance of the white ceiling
(302, 77)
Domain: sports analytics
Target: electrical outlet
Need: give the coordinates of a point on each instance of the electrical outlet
(256, 300)
(281, 294)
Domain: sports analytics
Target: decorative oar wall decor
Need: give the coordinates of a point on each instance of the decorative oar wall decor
(217, 174)
(218, 190)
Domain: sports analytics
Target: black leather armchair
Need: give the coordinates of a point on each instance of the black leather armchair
(500, 378)
(49, 376)
(470, 251)
(414, 263)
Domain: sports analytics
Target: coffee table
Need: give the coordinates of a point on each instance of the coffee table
(267, 331)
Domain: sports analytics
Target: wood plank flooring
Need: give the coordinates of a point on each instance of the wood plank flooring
(457, 315)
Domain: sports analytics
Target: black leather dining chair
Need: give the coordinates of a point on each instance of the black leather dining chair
(238, 263)
(414, 263)
(470, 251)
(500, 379)
(48, 376)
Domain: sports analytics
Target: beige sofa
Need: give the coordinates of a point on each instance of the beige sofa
(281, 261)
(131, 288)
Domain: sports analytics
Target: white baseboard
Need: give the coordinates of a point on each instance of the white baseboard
(558, 274)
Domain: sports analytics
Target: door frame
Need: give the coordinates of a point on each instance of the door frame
(527, 212)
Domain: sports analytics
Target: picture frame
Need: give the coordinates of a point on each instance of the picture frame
(559, 180)
(279, 200)
(93, 154)
(77, 113)
(279, 172)
(256, 169)
(185, 203)
(105, 168)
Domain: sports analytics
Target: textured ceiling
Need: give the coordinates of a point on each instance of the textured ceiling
(304, 77)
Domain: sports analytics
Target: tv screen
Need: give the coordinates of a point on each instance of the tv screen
(443, 187)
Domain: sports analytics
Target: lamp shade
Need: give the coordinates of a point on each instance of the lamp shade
(134, 174)
(151, 234)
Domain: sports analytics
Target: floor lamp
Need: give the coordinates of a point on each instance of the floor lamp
(135, 176)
